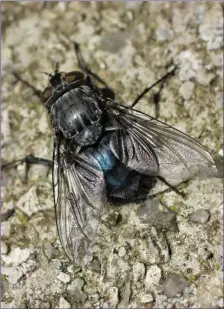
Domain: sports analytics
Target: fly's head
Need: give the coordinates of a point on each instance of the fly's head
(60, 83)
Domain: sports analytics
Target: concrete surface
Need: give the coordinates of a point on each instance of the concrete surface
(172, 264)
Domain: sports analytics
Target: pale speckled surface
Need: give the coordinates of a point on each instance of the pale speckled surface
(128, 44)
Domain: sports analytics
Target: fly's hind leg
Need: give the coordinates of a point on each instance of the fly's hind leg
(107, 91)
(173, 188)
(27, 160)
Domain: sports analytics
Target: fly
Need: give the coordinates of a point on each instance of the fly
(105, 151)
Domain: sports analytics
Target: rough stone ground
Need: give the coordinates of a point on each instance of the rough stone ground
(164, 254)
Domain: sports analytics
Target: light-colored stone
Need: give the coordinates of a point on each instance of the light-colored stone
(153, 276)
(13, 274)
(219, 99)
(30, 202)
(153, 213)
(112, 296)
(164, 34)
(17, 256)
(186, 90)
(122, 252)
(63, 303)
(174, 285)
(188, 64)
(203, 77)
(145, 298)
(199, 216)
(4, 248)
(138, 271)
(212, 33)
(5, 229)
(63, 277)
(75, 290)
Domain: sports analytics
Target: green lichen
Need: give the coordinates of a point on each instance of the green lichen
(174, 208)
(22, 218)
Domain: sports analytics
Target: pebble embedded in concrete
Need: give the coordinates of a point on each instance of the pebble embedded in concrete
(212, 32)
(122, 251)
(29, 203)
(126, 293)
(49, 250)
(203, 77)
(63, 277)
(153, 276)
(219, 99)
(145, 299)
(63, 303)
(186, 90)
(13, 274)
(5, 229)
(138, 271)
(154, 213)
(188, 64)
(17, 256)
(4, 248)
(112, 296)
(199, 216)
(113, 42)
(174, 284)
(75, 290)
(164, 34)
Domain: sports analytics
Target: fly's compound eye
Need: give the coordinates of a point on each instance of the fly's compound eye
(46, 94)
(73, 76)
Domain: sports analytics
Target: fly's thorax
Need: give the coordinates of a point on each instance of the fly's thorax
(77, 116)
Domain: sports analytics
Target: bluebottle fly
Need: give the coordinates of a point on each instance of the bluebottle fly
(105, 151)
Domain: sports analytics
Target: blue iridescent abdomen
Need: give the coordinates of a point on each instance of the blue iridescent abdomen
(115, 172)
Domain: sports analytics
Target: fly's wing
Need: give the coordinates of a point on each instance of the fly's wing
(178, 156)
(79, 195)
(136, 153)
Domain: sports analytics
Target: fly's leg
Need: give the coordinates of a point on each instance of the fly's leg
(28, 160)
(157, 95)
(107, 91)
(36, 91)
(156, 99)
(182, 194)
(156, 102)
(83, 66)
(6, 215)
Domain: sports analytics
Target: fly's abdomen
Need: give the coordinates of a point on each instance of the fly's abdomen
(105, 158)
(77, 116)
(121, 181)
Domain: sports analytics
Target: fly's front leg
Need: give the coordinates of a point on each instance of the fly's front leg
(106, 90)
(36, 91)
(157, 94)
(27, 160)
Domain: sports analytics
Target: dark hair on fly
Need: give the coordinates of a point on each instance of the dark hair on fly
(56, 78)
